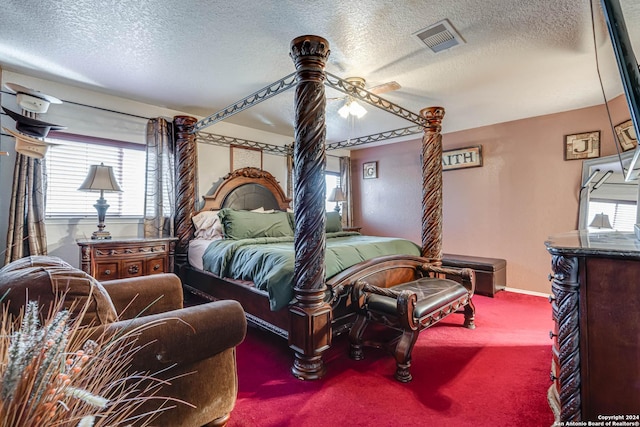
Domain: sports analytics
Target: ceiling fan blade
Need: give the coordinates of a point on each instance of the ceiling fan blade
(385, 87)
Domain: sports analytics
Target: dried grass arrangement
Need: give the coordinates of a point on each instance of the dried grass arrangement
(56, 373)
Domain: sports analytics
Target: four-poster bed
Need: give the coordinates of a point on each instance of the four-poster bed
(321, 308)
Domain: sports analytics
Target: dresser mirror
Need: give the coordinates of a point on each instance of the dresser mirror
(605, 191)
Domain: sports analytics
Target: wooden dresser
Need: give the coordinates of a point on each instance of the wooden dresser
(121, 258)
(595, 369)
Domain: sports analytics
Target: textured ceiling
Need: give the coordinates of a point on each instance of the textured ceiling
(522, 58)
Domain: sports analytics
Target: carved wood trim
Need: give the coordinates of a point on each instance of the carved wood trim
(565, 287)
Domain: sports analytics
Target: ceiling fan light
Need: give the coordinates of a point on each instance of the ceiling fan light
(344, 111)
(357, 110)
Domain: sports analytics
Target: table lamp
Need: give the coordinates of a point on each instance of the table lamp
(601, 220)
(337, 196)
(100, 178)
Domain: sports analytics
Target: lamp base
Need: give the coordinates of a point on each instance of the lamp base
(101, 235)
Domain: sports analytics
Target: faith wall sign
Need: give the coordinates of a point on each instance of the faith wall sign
(467, 157)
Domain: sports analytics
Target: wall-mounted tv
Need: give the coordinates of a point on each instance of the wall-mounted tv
(628, 68)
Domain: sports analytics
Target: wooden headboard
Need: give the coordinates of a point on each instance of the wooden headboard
(248, 188)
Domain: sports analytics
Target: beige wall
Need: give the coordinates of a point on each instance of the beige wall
(524, 192)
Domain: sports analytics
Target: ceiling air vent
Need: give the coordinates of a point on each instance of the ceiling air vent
(440, 36)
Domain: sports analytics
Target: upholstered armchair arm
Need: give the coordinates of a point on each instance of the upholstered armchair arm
(465, 276)
(183, 336)
(145, 295)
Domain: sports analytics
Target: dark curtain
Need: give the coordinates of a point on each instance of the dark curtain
(345, 184)
(26, 234)
(159, 209)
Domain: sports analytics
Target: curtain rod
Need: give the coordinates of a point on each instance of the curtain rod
(92, 106)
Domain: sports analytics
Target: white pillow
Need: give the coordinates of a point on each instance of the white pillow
(261, 209)
(208, 225)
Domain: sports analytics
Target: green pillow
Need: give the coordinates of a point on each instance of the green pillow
(248, 225)
(333, 222)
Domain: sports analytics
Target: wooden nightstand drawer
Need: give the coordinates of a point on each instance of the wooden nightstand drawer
(107, 271)
(155, 266)
(123, 258)
(132, 268)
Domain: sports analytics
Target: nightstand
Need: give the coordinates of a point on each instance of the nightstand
(352, 229)
(130, 257)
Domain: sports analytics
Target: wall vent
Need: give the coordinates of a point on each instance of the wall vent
(440, 36)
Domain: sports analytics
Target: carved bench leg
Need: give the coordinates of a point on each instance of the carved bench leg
(355, 338)
(469, 315)
(403, 355)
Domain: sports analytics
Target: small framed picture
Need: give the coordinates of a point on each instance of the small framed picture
(370, 170)
(626, 134)
(582, 146)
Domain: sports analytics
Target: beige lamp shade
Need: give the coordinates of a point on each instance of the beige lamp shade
(601, 220)
(337, 195)
(100, 178)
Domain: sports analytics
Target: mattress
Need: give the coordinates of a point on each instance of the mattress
(269, 261)
(196, 251)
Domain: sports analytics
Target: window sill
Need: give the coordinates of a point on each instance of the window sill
(82, 219)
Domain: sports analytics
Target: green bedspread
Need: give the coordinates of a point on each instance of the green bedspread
(269, 261)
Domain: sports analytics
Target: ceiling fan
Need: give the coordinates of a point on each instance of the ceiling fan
(351, 107)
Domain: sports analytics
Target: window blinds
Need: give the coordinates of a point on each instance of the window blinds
(66, 168)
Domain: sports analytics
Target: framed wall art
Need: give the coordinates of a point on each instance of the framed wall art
(243, 157)
(370, 170)
(626, 135)
(467, 157)
(582, 146)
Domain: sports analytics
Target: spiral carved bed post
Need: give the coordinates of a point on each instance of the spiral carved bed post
(432, 183)
(186, 161)
(310, 332)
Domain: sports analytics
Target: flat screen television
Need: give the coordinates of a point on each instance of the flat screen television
(630, 75)
(628, 68)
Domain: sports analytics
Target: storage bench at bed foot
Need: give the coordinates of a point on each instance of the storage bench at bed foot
(491, 273)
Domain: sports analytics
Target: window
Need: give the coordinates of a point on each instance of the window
(332, 180)
(67, 164)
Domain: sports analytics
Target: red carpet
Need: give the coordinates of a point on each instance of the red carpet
(495, 375)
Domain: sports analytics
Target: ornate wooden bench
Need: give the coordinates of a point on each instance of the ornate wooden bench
(410, 308)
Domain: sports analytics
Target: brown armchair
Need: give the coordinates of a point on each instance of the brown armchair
(197, 343)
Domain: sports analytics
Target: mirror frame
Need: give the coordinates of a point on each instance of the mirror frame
(613, 162)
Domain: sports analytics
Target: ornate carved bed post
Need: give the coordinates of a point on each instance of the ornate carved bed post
(310, 332)
(432, 183)
(186, 180)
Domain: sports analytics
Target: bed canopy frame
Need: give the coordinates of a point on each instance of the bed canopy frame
(310, 332)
